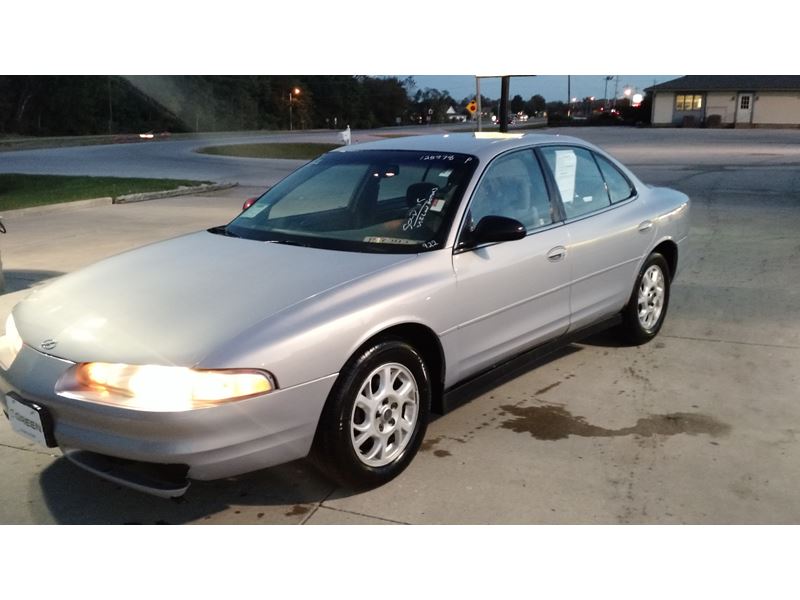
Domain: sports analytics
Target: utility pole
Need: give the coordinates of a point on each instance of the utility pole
(478, 99)
(569, 95)
(110, 107)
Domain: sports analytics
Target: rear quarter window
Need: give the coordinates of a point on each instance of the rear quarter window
(619, 188)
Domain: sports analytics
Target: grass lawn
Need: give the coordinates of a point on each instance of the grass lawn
(288, 150)
(22, 191)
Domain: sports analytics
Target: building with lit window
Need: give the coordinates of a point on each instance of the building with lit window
(727, 101)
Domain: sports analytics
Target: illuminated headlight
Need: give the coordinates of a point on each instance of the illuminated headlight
(159, 388)
(10, 344)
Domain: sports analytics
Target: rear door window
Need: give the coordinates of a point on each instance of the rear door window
(578, 178)
(395, 188)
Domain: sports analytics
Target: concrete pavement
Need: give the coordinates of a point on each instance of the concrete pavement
(699, 426)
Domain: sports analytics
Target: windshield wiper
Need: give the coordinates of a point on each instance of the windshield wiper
(289, 243)
(223, 230)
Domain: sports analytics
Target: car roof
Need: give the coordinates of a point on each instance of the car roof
(484, 145)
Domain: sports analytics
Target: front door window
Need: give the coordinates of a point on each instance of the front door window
(513, 186)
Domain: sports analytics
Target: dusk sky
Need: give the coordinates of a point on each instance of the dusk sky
(552, 87)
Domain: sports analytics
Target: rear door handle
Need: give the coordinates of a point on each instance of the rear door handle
(556, 254)
(645, 225)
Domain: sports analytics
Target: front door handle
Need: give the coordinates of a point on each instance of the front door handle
(645, 225)
(556, 254)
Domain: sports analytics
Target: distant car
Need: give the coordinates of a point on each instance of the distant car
(606, 118)
(332, 316)
(152, 135)
(511, 119)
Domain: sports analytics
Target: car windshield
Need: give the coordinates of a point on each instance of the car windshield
(362, 200)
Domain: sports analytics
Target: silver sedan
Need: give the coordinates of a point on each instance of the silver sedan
(365, 291)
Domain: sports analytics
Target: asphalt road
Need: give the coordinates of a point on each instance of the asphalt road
(178, 159)
(699, 426)
(171, 159)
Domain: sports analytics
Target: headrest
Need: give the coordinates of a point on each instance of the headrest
(419, 192)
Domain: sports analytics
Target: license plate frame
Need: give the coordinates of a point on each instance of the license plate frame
(30, 420)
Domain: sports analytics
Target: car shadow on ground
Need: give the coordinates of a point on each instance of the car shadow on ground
(502, 375)
(279, 495)
(608, 338)
(23, 279)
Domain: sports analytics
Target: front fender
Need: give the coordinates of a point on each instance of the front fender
(315, 338)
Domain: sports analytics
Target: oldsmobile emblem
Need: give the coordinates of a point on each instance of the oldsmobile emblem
(48, 344)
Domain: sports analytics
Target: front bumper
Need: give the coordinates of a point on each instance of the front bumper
(217, 442)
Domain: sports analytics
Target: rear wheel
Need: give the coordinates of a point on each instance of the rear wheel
(647, 307)
(376, 415)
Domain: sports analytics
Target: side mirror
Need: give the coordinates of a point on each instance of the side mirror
(493, 228)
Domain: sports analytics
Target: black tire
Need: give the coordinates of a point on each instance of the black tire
(334, 451)
(632, 329)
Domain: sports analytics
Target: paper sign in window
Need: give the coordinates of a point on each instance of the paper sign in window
(566, 163)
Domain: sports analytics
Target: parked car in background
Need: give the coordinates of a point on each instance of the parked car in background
(340, 309)
(611, 117)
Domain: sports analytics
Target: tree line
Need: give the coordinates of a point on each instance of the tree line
(89, 105)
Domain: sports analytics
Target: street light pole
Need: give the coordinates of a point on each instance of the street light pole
(295, 92)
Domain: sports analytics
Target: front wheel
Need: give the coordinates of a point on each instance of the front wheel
(376, 415)
(643, 316)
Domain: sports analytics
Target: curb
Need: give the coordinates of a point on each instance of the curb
(182, 191)
(108, 200)
(60, 207)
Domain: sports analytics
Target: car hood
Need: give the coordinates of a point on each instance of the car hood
(174, 302)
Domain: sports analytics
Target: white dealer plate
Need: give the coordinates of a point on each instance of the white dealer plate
(25, 421)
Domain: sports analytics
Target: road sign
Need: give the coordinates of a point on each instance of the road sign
(472, 107)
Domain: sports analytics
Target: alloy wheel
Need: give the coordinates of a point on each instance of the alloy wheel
(651, 297)
(384, 414)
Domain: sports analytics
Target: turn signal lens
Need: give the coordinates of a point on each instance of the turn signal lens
(160, 388)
